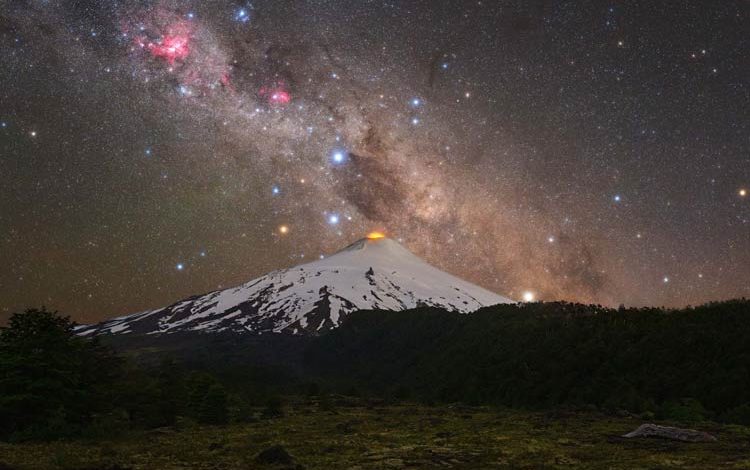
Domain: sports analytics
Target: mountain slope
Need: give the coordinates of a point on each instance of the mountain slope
(372, 273)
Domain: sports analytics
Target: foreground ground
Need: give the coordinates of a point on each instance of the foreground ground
(359, 435)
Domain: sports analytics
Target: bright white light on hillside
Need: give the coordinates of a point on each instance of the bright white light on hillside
(528, 296)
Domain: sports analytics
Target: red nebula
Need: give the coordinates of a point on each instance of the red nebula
(171, 48)
(276, 94)
(280, 97)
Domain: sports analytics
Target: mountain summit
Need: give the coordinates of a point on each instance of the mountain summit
(371, 273)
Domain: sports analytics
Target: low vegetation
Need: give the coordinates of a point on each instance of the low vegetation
(517, 386)
(357, 433)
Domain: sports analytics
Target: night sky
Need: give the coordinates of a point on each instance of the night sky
(580, 150)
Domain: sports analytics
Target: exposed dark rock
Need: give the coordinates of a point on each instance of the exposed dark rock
(274, 455)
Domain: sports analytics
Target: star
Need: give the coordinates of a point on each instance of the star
(180, 266)
(283, 229)
(242, 15)
(528, 296)
(333, 219)
(338, 157)
(742, 192)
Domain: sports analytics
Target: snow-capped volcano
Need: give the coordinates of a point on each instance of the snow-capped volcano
(372, 273)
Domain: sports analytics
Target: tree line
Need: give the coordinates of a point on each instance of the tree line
(688, 364)
(684, 365)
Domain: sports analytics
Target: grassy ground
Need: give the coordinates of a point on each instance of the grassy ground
(353, 435)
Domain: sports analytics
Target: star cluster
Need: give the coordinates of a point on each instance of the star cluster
(589, 151)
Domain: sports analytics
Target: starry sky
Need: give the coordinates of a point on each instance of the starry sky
(590, 151)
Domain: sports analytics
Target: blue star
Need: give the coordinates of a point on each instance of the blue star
(242, 15)
(333, 219)
(617, 198)
(415, 121)
(180, 266)
(191, 15)
(148, 151)
(275, 190)
(203, 254)
(444, 65)
(338, 156)
(416, 102)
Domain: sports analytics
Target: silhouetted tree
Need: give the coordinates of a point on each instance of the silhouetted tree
(52, 382)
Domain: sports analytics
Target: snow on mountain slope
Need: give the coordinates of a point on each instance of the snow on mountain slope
(372, 273)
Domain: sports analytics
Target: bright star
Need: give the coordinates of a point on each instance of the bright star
(742, 192)
(416, 102)
(338, 156)
(242, 15)
(617, 198)
(180, 266)
(528, 296)
(283, 229)
(276, 190)
(333, 219)
(666, 279)
(415, 121)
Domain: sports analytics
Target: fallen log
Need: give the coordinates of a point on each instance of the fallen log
(667, 432)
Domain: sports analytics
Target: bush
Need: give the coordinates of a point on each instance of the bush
(207, 399)
(687, 410)
(737, 415)
(274, 407)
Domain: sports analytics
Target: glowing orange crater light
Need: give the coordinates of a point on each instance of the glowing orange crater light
(375, 235)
